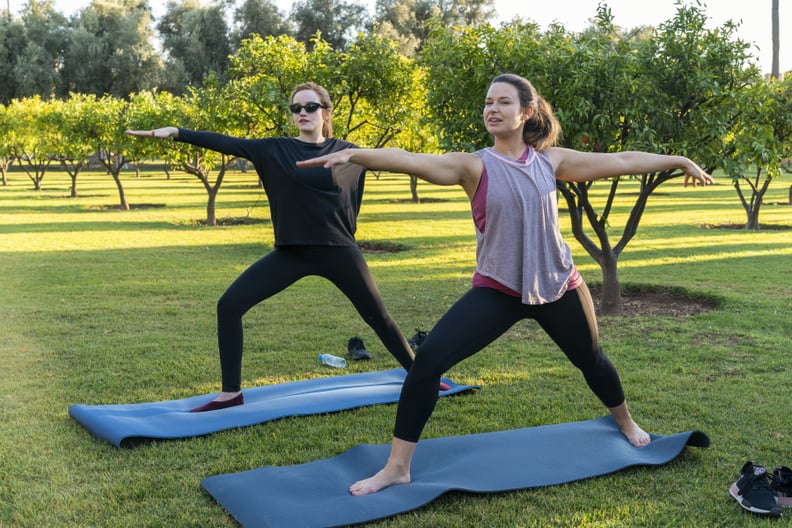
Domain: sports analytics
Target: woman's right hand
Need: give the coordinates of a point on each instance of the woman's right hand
(164, 132)
(327, 161)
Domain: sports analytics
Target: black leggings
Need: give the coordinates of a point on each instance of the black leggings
(283, 266)
(480, 317)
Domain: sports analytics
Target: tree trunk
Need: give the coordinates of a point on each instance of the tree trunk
(414, 189)
(123, 205)
(753, 220)
(610, 300)
(790, 195)
(74, 186)
(211, 214)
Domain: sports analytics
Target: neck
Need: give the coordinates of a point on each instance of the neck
(313, 137)
(512, 147)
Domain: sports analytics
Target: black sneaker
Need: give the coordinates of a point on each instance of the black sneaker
(752, 491)
(781, 484)
(417, 338)
(356, 349)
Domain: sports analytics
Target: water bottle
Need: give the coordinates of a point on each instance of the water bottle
(332, 361)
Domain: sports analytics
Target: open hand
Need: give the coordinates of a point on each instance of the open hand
(156, 133)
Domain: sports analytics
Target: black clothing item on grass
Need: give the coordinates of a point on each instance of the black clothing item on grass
(418, 337)
(356, 349)
(753, 493)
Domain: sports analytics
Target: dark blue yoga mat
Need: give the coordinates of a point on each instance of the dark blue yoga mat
(173, 419)
(314, 495)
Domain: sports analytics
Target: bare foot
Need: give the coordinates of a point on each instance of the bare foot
(635, 435)
(384, 478)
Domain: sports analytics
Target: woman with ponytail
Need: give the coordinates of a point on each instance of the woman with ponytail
(314, 215)
(524, 268)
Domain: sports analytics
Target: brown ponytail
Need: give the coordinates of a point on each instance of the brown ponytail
(542, 129)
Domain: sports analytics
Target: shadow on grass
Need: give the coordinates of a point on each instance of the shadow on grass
(647, 299)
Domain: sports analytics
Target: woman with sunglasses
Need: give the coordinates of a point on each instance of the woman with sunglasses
(314, 215)
(524, 268)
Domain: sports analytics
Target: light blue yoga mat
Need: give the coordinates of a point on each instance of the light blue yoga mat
(117, 424)
(314, 495)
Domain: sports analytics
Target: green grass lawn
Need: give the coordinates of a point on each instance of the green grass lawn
(103, 306)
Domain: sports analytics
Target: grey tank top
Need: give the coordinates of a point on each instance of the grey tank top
(521, 246)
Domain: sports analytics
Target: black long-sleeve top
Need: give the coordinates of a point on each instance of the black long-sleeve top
(308, 206)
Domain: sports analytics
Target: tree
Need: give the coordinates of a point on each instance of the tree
(197, 41)
(760, 142)
(71, 118)
(106, 125)
(683, 82)
(258, 17)
(12, 39)
(206, 108)
(380, 98)
(374, 92)
(337, 21)
(36, 69)
(407, 21)
(110, 50)
(32, 136)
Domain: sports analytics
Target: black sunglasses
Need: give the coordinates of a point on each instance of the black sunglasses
(296, 108)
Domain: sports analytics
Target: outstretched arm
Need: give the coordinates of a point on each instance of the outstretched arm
(165, 132)
(453, 168)
(575, 166)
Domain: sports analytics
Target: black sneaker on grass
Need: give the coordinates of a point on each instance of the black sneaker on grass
(781, 484)
(752, 491)
(418, 337)
(356, 349)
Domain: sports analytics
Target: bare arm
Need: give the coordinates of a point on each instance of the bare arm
(156, 133)
(453, 168)
(574, 166)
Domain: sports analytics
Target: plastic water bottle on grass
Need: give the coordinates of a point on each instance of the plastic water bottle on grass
(332, 361)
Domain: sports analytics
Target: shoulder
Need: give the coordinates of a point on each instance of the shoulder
(558, 156)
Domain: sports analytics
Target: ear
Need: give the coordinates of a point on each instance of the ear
(528, 112)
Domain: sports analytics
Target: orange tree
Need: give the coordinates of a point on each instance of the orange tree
(75, 146)
(760, 142)
(205, 108)
(31, 136)
(380, 97)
